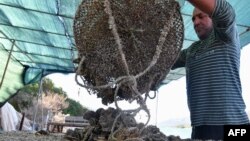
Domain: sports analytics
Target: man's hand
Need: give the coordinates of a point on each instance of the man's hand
(206, 6)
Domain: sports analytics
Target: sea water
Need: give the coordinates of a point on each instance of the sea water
(183, 133)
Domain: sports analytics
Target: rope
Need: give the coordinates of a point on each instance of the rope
(112, 25)
(156, 108)
(129, 79)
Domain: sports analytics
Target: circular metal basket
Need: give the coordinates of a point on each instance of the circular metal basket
(140, 25)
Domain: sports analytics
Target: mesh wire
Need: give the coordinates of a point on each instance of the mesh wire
(139, 24)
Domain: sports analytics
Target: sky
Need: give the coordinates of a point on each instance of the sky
(171, 100)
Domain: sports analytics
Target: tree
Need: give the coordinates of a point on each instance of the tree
(22, 100)
(30, 89)
(54, 102)
(25, 98)
(48, 85)
(74, 108)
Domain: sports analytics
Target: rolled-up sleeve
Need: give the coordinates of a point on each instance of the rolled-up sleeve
(224, 21)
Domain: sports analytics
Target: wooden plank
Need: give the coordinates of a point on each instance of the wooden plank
(69, 124)
(70, 121)
(59, 126)
(75, 119)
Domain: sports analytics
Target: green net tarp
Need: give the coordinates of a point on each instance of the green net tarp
(41, 32)
(12, 77)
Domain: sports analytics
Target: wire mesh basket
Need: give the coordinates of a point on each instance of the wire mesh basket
(136, 39)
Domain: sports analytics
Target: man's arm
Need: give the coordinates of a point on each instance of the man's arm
(206, 6)
(223, 16)
(181, 60)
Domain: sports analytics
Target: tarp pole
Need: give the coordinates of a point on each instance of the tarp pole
(7, 64)
(39, 94)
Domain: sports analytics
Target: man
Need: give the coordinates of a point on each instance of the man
(212, 70)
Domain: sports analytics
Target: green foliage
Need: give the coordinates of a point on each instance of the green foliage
(31, 89)
(59, 91)
(75, 108)
(48, 86)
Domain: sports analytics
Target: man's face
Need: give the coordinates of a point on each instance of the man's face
(202, 23)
